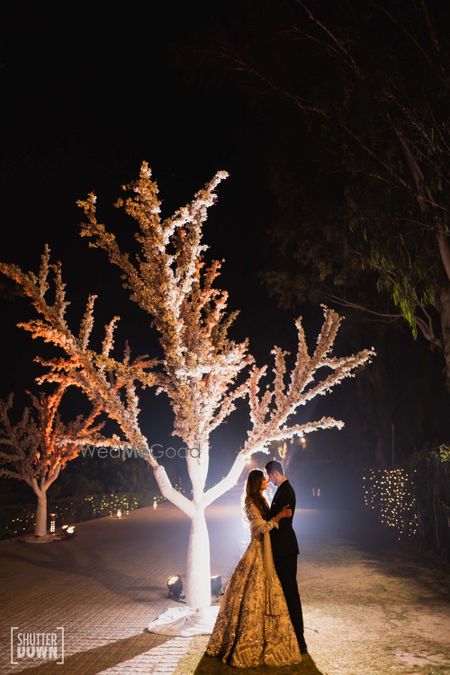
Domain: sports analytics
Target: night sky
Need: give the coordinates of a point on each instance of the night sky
(88, 92)
(85, 103)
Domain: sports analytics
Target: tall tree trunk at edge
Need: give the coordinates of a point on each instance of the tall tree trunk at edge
(444, 306)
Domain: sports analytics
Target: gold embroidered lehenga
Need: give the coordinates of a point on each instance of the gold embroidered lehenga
(253, 627)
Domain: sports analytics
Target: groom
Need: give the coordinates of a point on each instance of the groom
(285, 548)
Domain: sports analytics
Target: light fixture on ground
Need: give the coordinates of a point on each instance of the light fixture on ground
(175, 586)
(52, 522)
(119, 513)
(68, 531)
(155, 502)
(216, 584)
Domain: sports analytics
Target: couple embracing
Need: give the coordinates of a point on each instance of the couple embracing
(260, 619)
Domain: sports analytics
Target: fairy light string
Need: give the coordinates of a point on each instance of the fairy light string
(391, 494)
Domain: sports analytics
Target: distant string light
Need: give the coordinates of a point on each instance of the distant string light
(86, 508)
(391, 494)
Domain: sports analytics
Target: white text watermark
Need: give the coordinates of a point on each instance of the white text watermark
(156, 450)
(37, 645)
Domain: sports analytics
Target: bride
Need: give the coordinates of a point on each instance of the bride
(253, 627)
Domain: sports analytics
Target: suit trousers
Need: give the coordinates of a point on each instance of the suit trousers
(286, 569)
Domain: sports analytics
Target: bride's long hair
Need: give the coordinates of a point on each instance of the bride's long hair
(252, 494)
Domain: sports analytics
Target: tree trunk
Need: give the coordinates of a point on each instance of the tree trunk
(40, 528)
(444, 306)
(198, 616)
(392, 444)
(198, 570)
(380, 451)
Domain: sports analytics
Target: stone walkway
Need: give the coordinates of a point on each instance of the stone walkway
(103, 587)
(370, 608)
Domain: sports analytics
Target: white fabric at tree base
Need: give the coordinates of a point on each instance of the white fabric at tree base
(185, 621)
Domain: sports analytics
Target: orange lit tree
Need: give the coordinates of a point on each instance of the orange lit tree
(39, 445)
(203, 371)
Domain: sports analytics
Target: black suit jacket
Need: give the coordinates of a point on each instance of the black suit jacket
(284, 541)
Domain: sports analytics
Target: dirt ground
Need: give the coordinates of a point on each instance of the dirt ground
(372, 605)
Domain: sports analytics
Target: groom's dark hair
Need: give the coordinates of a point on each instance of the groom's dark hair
(272, 466)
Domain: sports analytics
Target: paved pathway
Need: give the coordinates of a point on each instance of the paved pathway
(369, 609)
(104, 587)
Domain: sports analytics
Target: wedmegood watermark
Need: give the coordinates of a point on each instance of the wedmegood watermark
(37, 645)
(156, 450)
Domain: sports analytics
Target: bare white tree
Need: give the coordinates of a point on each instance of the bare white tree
(203, 371)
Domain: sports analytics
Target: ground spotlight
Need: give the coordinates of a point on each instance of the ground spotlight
(175, 586)
(216, 584)
(68, 531)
